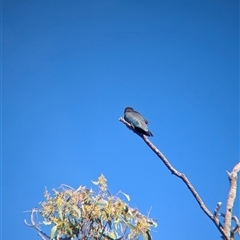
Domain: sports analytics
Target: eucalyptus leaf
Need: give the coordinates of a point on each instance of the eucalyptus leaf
(147, 236)
(53, 231)
(60, 213)
(95, 182)
(101, 202)
(47, 222)
(131, 226)
(77, 210)
(127, 196)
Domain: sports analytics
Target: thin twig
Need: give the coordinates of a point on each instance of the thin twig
(237, 227)
(34, 225)
(235, 219)
(183, 178)
(216, 211)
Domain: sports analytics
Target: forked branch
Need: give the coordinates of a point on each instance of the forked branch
(225, 230)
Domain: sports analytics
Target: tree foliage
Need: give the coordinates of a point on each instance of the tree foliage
(84, 214)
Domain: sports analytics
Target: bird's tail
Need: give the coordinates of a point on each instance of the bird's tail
(150, 134)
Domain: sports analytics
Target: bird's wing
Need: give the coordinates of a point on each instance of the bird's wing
(145, 120)
(139, 121)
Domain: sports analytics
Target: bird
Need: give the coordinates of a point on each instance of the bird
(137, 121)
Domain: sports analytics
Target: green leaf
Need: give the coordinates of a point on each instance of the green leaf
(47, 222)
(153, 222)
(111, 235)
(101, 202)
(70, 231)
(116, 234)
(147, 236)
(131, 226)
(53, 231)
(95, 183)
(60, 214)
(75, 208)
(127, 196)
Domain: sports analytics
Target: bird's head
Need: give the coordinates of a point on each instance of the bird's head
(128, 109)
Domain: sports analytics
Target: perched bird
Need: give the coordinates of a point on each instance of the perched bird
(137, 121)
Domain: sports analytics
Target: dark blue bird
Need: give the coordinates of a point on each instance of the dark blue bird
(137, 121)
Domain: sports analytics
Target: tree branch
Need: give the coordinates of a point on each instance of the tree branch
(216, 211)
(237, 227)
(34, 225)
(231, 197)
(180, 175)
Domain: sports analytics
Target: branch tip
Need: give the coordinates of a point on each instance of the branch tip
(228, 173)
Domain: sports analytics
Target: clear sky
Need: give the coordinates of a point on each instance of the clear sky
(70, 67)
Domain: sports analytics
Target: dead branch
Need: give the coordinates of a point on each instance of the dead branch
(236, 229)
(224, 230)
(231, 197)
(216, 211)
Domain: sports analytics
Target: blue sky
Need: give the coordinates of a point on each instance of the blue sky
(69, 69)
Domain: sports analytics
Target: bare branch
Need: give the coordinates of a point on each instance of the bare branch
(183, 178)
(235, 219)
(34, 225)
(216, 211)
(231, 197)
(237, 227)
